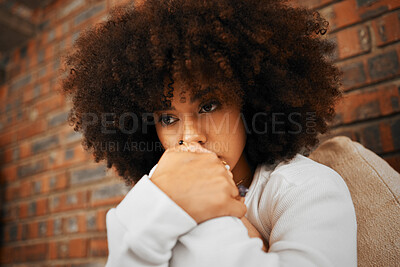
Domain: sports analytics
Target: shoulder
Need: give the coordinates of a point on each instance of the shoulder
(303, 189)
(302, 172)
(306, 206)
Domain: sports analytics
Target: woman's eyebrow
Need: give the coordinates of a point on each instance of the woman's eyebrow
(202, 93)
(195, 97)
(169, 108)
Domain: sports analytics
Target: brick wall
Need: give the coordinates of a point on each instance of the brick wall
(367, 33)
(54, 198)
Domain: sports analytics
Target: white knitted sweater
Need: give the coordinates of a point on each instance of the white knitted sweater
(303, 208)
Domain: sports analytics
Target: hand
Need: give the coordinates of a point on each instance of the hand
(199, 183)
(253, 232)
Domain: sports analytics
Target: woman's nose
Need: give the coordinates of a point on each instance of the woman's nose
(192, 131)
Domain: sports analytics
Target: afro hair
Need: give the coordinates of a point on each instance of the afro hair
(270, 56)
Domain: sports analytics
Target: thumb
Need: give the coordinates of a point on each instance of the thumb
(237, 209)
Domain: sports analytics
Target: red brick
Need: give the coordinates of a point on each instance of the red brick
(7, 138)
(108, 195)
(54, 159)
(341, 14)
(8, 174)
(59, 31)
(101, 220)
(53, 250)
(33, 230)
(78, 248)
(50, 227)
(36, 207)
(9, 213)
(25, 150)
(371, 68)
(367, 104)
(31, 253)
(75, 224)
(384, 65)
(53, 102)
(23, 210)
(345, 13)
(376, 8)
(82, 222)
(59, 250)
(49, 53)
(8, 155)
(313, 4)
(98, 247)
(46, 88)
(31, 129)
(387, 28)
(121, 2)
(387, 140)
(80, 155)
(353, 41)
(12, 232)
(12, 192)
(70, 201)
(28, 95)
(41, 206)
(45, 184)
(3, 93)
(58, 182)
(372, 133)
(6, 255)
(26, 188)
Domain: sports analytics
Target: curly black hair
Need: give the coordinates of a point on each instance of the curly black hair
(270, 56)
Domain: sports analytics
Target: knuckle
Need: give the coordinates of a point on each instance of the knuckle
(227, 186)
(221, 201)
(220, 169)
(214, 156)
(170, 150)
(235, 191)
(210, 156)
(216, 169)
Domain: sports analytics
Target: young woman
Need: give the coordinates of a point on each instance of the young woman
(199, 98)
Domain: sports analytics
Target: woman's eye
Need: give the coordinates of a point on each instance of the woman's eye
(210, 106)
(166, 120)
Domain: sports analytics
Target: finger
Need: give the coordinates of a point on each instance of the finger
(179, 148)
(192, 147)
(229, 177)
(196, 147)
(239, 198)
(245, 221)
(237, 209)
(235, 191)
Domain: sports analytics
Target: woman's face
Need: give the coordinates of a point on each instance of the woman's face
(203, 120)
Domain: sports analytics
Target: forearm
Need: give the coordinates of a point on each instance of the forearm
(221, 242)
(144, 227)
(313, 224)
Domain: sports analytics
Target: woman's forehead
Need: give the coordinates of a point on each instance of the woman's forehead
(199, 89)
(181, 95)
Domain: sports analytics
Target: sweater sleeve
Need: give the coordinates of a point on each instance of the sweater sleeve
(144, 227)
(312, 219)
(313, 224)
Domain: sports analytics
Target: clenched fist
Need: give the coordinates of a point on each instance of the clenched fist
(197, 181)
